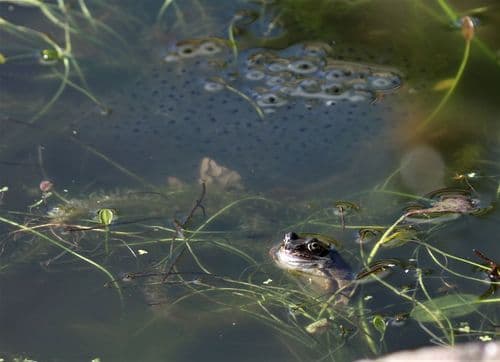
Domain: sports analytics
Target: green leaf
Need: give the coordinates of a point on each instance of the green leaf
(449, 306)
(379, 324)
(49, 55)
(105, 216)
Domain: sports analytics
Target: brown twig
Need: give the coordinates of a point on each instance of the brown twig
(180, 227)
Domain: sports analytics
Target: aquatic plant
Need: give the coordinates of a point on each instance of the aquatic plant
(468, 34)
(205, 247)
(53, 44)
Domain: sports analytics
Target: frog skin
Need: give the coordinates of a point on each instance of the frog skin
(316, 261)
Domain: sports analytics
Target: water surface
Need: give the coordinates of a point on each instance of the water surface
(286, 110)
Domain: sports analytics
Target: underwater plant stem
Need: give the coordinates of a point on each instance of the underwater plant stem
(86, 12)
(450, 91)
(114, 164)
(435, 259)
(407, 297)
(106, 241)
(232, 40)
(57, 94)
(447, 9)
(390, 177)
(365, 328)
(427, 295)
(384, 238)
(430, 247)
(84, 90)
(163, 9)
(242, 95)
(208, 221)
(70, 251)
(413, 300)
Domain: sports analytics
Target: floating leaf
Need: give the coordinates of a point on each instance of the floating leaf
(444, 84)
(379, 324)
(105, 216)
(2, 59)
(399, 238)
(449, 306)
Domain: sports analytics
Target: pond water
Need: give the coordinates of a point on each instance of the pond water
(152, 154)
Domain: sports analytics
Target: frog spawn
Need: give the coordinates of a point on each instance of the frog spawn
(274, 79)
(315, 79)
(195, 48)
(171, 118)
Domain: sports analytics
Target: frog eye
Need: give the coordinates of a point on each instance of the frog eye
(314, 245)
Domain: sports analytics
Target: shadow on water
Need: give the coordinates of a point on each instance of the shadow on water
(178, 142)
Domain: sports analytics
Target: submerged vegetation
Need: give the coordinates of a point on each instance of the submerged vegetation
(424, 267)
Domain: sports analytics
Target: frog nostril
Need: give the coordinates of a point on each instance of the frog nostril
(290, 236)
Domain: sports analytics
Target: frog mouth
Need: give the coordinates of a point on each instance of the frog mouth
(295, 260)
(299, 254)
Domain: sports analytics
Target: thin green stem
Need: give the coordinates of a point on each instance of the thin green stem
(68, 250)
(450, 334)
(450, 91)
(447, 9)
(114, 164)
(163, 9)
(384, 238)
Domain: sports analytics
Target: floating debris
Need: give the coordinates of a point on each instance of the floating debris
(46, 186)
(445, 204)
(494, 272)
(319, 326)
(211, 173)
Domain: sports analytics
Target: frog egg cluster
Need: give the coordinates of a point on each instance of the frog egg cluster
(305, 72)
(194, 48)
(312, 75)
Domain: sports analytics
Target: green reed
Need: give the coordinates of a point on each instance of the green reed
(68, 250)
(59, 54)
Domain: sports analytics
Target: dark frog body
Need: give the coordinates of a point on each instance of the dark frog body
(317, 261)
